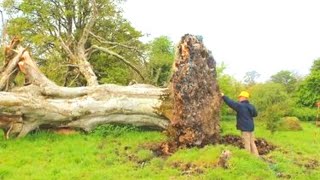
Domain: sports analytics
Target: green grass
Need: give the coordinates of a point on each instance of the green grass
(113, 152)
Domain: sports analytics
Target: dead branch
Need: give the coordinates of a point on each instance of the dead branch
(104, 49)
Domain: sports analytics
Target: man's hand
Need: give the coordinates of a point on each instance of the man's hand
(221, 93)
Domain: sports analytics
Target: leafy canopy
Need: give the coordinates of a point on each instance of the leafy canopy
(287, 78)
(49, 25)
(309, 91)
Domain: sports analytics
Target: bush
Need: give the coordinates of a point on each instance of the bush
(272, 103)
(265, 95)
(304, 113)
(272, 115)
(289, 124)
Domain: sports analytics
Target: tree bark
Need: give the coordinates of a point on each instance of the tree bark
(84, 108)
(43, 103)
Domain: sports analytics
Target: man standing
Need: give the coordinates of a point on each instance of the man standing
(245, 113)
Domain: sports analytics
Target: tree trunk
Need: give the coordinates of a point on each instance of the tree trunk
(43, 103)
(84, 108)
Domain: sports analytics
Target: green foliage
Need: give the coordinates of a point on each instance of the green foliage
(273, 114)
(309, 90)
(294, 153)
(287, 78)
(112, 71)
(315, 66)
(112, 130)
(229, 86)
(272, 103)
(160, 60)
(44, 23)
(116, 75)
(144, 155)
(268, 94)
(54, 68)
(304, 113)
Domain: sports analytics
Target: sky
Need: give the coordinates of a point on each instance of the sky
(265, 36)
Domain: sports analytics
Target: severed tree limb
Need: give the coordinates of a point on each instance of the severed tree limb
(9, 68)
(66, 48)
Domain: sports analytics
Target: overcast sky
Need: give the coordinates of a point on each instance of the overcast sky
(262, 35)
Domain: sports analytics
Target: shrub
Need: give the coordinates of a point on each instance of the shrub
(304, 113)
(265, 95)
(273, 114)
(272, 103)
(289, 124)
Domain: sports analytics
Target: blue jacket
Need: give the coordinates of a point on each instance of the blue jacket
(245, 113)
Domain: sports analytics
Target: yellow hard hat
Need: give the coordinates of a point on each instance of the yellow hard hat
(244, 94)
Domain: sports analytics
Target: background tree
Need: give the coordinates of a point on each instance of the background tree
(161, 56)
(287, 78)
(76, 35)
(309, 91)
(251, 77)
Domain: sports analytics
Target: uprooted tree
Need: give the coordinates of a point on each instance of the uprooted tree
(188, 108)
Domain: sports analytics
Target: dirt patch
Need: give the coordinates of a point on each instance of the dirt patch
(311, 164)
(263, 146)
(162, 149)
(188, 168)
(168, 148)
(283, 175)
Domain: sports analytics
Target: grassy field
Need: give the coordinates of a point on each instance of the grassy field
(113, 152)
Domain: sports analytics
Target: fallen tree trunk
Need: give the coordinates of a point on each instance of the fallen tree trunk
(138, 105)
(43, 103)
